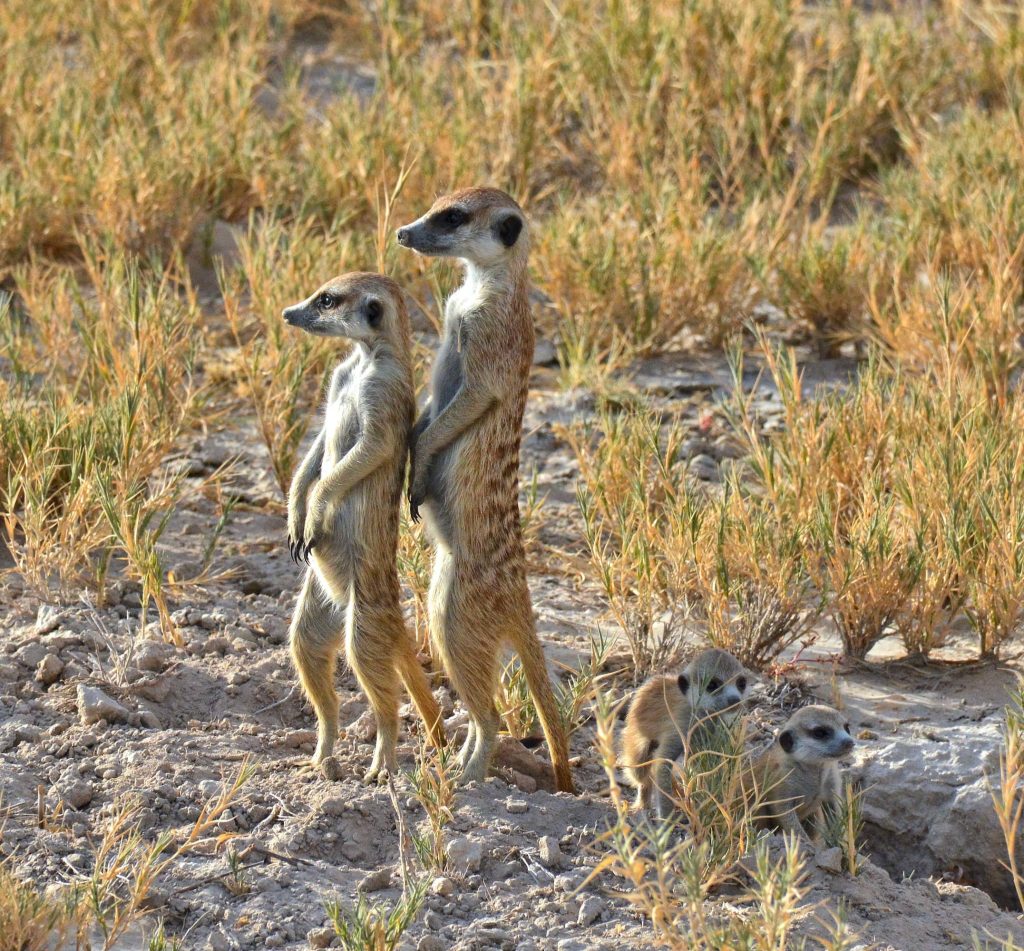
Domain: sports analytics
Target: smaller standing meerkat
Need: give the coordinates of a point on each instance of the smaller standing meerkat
(666, 715)
(343, 510)
(799, 773)
(465, 467)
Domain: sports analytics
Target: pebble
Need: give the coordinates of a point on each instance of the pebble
(151, 657)
(442, 885)
(516, 806)
(49, 670)
(590, 911)
(551, 854)
(433, 921)
(78, 795)
(48, 618)
(524, 783)
(94, 705)
(31, 655)
(831, 860)
(704, 467)
(376, 880)
(464, 855)
(431, 942)
(320, 937)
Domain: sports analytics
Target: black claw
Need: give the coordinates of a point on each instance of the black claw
(414, 509)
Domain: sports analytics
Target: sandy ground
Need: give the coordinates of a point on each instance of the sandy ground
(192, 714)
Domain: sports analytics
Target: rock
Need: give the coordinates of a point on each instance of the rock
(376, 881)
(831, 860)
(48, 618)
(149, 720)
(49, 670)
(464, 855)
(94, 705)
(331, 769)
(927, 807)
(151, 657)
(544, 353)
(320, 937)
(9, 671)
(590, 911)
(365, 727)
(431, 942)
(443, 886)
(526, 784)
(31, 655)
(510, 754)
(433, 921)
(569, 881)
(78, 795)
(516, 806)
(704, 467)
(551, 854)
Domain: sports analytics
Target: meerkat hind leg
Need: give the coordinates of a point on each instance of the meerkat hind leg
(369, 650)
(315, 637)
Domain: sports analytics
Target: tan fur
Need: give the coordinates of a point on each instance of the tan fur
(796, 784)
(343, 511)
(465, 467)
(665, 713)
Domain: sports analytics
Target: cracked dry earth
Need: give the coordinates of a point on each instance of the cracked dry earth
(94, 717)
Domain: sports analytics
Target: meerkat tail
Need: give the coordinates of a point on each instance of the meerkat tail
(531, 655)
(416, 683)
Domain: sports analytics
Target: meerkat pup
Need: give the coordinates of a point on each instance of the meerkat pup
(799, 773)
(465, 466)
(343, 511)
(671, 715)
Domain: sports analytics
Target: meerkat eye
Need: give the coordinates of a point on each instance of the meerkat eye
(325, 301)
(714, 684)
(821, 732)
(846, 726)
(454, 217)
(741, 683)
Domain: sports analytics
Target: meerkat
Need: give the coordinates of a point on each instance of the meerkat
(669, 715)
(465, 467)
(799, 773)
(343, 511)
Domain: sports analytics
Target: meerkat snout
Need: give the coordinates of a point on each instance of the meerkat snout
(481, 225)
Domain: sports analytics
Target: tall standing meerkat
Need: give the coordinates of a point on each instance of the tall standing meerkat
(799, 773)
(343, 510)
(465, 466)
(666, 715)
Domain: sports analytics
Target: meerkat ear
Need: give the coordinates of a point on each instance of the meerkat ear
(684, 683)
(786, 741)
(374, 310)
(508, 230)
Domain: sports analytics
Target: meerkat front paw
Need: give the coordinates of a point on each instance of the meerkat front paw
(417, 491)
(296, 532)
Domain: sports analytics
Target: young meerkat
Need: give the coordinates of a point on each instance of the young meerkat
(670, 715)
(465, 466)
(799, 773)
(343, 510)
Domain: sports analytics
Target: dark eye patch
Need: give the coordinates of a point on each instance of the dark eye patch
(450, 219)
(374, 312)
(846, 726)
(714, 685)
(821, 732)
(741, 683)
(326, 301)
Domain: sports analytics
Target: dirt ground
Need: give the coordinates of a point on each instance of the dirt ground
(186, 718)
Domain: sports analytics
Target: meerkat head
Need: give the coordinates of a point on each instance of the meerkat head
(816, 733)
(715, 681)
(481, 225)
(359, 306)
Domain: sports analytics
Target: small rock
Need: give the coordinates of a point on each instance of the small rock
(331, 769)
(431, 942)
(516, 806)
(590, 911)
(365, 728)
(94, 705)
(831, 860)
(544, 353)
(78, 795)
(31, 655)
(48, 618)
(524, 783)
(49, 670)
(320, 937)
(151, 657)
(704, 467)
(433, 921)
(442, 885)
(464, 855)
(551, 854)
(376, 881)
(149, 720)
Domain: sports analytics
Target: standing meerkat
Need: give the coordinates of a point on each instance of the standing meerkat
(669, 715)
(465, 467)
(343, 510)
(799, 773)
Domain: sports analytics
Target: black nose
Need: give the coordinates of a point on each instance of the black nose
(403, 237)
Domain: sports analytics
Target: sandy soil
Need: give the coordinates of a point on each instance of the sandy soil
(192, 714)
